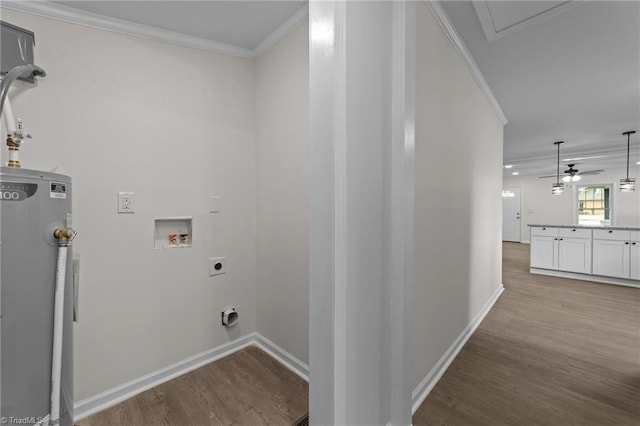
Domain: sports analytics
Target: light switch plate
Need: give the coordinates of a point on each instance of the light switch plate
(217, 265)
(214, 204)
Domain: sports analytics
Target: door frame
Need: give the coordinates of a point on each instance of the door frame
(504, 188)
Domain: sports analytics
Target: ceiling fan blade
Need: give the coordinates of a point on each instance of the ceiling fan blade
(544, 177)
(592, 172)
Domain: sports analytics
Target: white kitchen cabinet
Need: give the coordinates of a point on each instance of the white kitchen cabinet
(544, 252)
(561, 249)
(635, 260)
(634, 255)
(574, 255)
(608, 255)
(611, 234)
(611, 258)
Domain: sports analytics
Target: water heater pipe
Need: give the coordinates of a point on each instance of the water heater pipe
(64, 237)
(15, 133)
(9, 120)
(14, 73)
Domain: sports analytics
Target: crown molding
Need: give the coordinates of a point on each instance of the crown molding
(93, 20)
(443, 19)
(282, 31)
(486, 20)
(121, 26)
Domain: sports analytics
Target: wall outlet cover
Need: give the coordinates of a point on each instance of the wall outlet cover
(217, 265)
(126, 202)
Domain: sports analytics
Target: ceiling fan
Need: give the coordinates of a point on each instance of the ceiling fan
(573, 175)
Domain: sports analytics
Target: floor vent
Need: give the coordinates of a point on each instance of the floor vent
(303, 422)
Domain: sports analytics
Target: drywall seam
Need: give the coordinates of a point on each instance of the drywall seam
(427, 384)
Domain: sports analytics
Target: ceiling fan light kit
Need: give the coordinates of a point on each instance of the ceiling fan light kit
(572, 174)
(558, 188)
(628, 184)
(574, 178)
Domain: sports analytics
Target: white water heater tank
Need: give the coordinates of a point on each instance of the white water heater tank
(32, 205)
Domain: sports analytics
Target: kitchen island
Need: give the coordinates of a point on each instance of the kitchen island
(607, 254)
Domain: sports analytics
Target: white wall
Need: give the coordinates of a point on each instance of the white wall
(458, 196)
(282, 130)
(538, 206)
(174, 125)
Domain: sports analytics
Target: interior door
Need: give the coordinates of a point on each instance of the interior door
(511, 214)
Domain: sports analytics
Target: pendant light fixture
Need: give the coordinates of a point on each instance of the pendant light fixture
(628, 184)
(558, 188)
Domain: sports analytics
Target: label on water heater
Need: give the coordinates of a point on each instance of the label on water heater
(58, 190)
(17, 191)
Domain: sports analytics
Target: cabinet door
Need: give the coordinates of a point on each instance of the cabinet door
(611, 258)
(635, 260)
(574, 255)
(544, 252)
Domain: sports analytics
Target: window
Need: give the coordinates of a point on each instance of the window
(594, 205)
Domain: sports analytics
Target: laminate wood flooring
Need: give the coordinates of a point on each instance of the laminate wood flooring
(552, 351)
(246, 388)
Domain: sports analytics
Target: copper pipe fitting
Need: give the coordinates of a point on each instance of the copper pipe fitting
(13, 141)
(64, 236)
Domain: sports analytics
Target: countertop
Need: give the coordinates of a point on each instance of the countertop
(620, 228)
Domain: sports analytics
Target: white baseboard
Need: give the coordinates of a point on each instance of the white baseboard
(587, 277)
(113, 396)
(110, 397)
(427, 384)
(284, 357)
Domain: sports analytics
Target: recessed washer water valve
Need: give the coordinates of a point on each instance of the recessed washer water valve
(229, 317)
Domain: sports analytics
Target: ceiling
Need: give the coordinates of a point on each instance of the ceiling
(238, 23)
(561, 71)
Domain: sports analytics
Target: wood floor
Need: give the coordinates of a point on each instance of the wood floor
(552, 351)
(246, 388)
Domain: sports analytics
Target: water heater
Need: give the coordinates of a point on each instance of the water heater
(33, 205)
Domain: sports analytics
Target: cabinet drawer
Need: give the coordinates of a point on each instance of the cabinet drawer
(544, 231)
(575, 233)
(611, 234)
(635, 236)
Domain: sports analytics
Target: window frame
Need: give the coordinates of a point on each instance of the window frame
(576, 200)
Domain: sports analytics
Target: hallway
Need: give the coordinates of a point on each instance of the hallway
(552, 351)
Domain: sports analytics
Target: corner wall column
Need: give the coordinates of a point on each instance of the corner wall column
(362, 94)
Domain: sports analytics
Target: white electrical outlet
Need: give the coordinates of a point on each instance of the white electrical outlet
(217, 265)
(126, 202)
